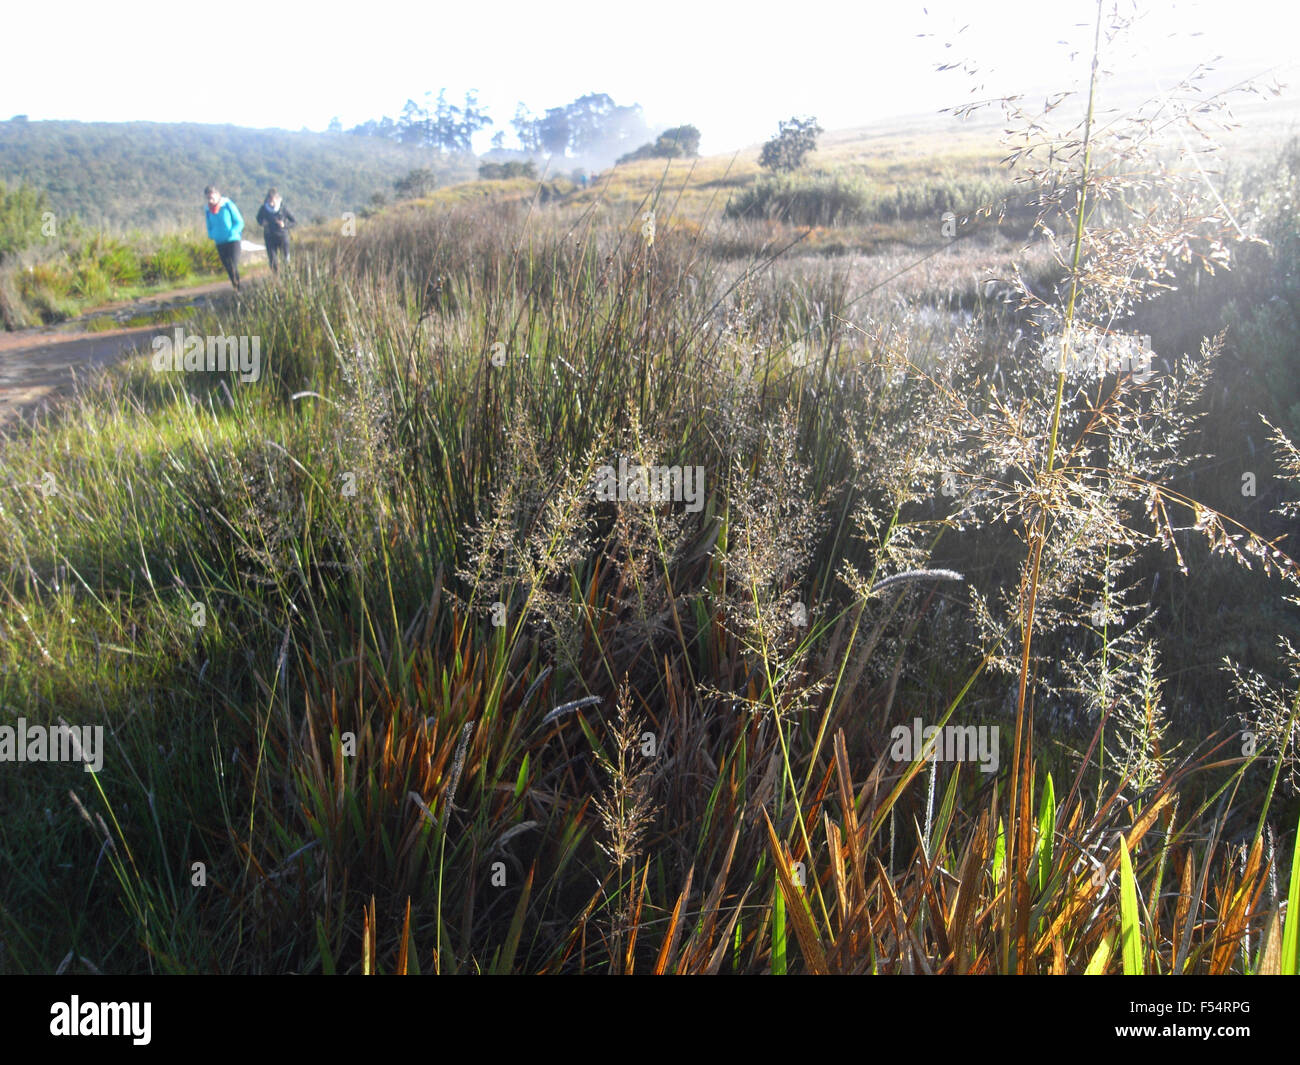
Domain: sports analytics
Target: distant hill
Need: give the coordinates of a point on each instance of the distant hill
(152, 174)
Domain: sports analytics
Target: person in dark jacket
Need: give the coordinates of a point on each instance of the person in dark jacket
(275, 219)
(226, 228)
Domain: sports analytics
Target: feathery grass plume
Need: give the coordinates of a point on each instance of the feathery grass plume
(626, 807)
(916, 575)
(539, 530)
(647, 545)
(1271, 721)
(626, 810)
(774, 523)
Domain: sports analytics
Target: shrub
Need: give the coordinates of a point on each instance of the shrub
(91, 283)
(676, 143)
(43, 277)
(204, 258)
(504, 171)
(416, 184)
(14, 312)
(170, 262)
(788, 149)
(46, 289)
(814, 200)
(21, 210)
(836, 198)
(121, 264)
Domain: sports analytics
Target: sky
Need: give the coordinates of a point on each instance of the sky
(733, 70)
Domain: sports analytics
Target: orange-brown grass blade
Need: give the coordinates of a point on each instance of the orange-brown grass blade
(848, 804)
(1181, 909)
(724, 940)
(839, 878)
(699, 944)
(959, 931)
(1234, 920)
(674, 927)
(1270, 953)
(406, 939)
(1080, 899)
(796, 905)
(629, 961)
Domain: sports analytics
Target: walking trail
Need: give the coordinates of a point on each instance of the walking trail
(38, 365)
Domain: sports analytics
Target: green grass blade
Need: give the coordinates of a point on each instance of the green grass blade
(1291, 931)
(1130, 925)
(778, 932)
(1046, 832)
(1100, 958)
(999, 854)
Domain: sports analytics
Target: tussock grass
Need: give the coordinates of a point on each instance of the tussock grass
(61, 279)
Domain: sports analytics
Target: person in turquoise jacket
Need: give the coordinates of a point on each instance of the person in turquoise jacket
(226, 228)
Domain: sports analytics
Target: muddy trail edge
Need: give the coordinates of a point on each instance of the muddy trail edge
(37, 366)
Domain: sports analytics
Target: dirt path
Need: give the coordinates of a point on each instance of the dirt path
(36, 365)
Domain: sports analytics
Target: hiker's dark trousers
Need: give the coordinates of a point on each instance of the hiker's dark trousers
(276, 244)
(229, 253)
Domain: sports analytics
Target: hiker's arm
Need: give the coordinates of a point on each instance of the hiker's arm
(288, 215)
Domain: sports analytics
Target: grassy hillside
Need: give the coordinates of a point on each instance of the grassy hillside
(152, 174)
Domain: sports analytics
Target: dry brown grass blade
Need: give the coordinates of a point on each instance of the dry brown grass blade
(724, 940)
(577, 934)
(813, 808)
(1270, 956)
(839, 878)
(1181, 909)
(1022, 837)
(845, 946)
(1252, 868)
(852, 828)
(1081, 896)
(674, 927)
(893, 907)
(796, 907)
(1147, 819)
(406, 938)
(629, 960)
(700, 943)
(928, 893)
(368, 935)
(967, 892)
(1238, 905)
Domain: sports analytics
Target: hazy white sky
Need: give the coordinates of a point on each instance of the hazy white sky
(733, 69)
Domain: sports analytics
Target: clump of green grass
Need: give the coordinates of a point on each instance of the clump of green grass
(810, 200)
(121, 264)
(841, 197)
(169, 263)
(56, 282)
